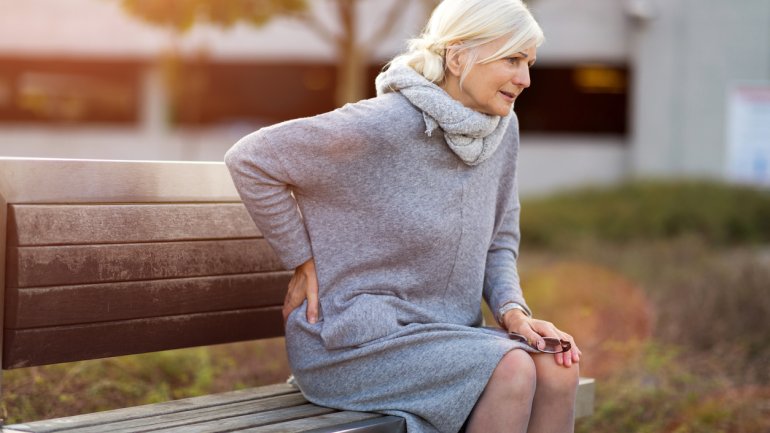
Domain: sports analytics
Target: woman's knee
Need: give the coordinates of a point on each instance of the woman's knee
(517, 373)
(554, 377)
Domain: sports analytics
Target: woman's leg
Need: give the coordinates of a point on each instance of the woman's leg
(553, 408)
(506, 402)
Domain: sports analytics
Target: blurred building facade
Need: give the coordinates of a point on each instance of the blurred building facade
(622, 87)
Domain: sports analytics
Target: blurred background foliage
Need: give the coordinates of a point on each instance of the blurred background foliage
(719, 214)
(666, 287)
(352, 51)
(663, 284)
(181, 15)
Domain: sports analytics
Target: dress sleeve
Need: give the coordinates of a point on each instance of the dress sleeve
(501, 277)
(266, 190)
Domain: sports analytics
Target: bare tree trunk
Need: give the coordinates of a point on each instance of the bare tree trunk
(351, 73)
(351, 65)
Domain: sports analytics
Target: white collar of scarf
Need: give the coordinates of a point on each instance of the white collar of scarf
(472, 135)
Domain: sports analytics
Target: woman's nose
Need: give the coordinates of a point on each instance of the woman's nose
(521, 78)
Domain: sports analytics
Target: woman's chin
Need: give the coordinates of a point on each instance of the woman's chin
(503, 111)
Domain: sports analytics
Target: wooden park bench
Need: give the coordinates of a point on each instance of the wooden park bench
(110, 258)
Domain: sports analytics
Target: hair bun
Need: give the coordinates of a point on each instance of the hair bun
(426, 56)
(428, 43)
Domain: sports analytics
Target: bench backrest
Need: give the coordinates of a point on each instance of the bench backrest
(107, 258)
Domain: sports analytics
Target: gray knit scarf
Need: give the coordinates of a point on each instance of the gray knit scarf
(472, 135)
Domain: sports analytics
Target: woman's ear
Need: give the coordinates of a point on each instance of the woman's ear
(455, 60)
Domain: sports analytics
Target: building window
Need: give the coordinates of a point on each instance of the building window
(222, 93)
(69, 92)
(591, 99)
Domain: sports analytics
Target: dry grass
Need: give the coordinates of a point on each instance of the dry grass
(702, 363)
(80, 387)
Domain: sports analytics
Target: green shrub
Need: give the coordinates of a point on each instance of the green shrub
(719, 213)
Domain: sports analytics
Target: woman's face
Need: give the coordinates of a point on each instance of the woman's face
(493, 87)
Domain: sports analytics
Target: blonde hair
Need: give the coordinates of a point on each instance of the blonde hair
(466, 25)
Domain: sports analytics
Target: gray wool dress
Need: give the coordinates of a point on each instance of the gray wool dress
(406, 238)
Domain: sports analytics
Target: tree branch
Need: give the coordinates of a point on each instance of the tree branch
(319, 29)
(387, 26)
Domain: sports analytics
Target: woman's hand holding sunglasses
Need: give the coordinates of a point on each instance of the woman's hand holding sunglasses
(542, 336)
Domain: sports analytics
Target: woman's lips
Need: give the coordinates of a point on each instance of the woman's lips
(508, 96)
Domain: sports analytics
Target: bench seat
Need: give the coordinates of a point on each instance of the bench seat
(272, 408)
(109, 258)
(267, 409)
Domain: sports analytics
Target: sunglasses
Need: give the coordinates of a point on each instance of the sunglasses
(552, 345)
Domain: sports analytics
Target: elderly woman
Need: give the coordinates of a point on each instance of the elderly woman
(398, 214)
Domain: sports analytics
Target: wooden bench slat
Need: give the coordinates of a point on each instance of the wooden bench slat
(288, 419)
(212, 415)
(187, 417)
(385, 424)
(299, 419)
(245, 421)
(155, 409)
(67, 265)
(67, 305)
(31, 225)
(40, 180)
(41, 346)
(313, 423)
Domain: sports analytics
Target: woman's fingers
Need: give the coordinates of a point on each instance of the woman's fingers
(541, 328)
(285, 311)
(564, 358)
(295, 294)
(547, 329)
(571, 356)
(312, 302)
(534, 330)
(294, 298)
(303, 285)
(574, 353)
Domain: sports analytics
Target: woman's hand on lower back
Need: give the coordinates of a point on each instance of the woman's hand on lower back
(303, 285)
